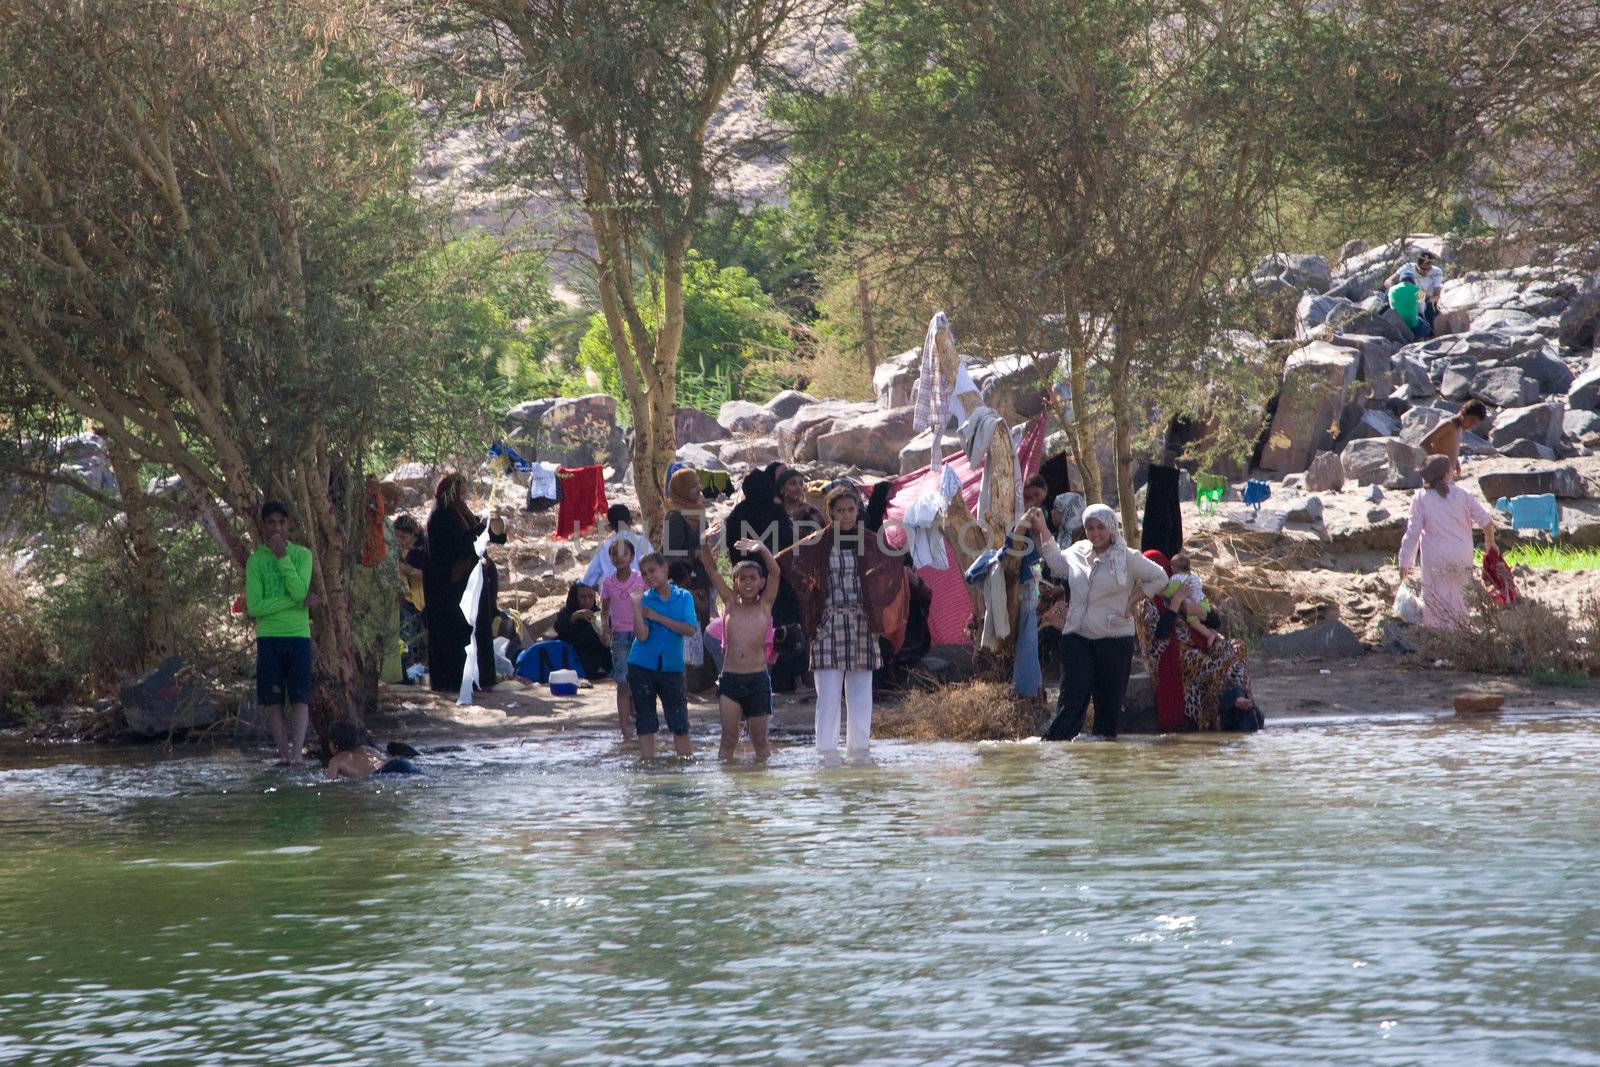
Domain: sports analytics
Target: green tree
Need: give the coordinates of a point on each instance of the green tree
(734, 340)
(209, 251)
(614, 105)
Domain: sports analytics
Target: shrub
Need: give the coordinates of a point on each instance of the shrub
(967, 711)
(1528, 637)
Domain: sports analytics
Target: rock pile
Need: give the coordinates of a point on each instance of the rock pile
(1362, 389)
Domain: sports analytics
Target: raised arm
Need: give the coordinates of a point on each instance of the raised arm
(769, 595)
(641, 625)
(708, 558)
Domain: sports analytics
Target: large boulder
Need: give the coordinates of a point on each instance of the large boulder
(1479, 293)
(1386, 461)
(577, 431)
(1316, 380)
(895, 380)
(1314, 310)
(81, 457)
(1371, 422)
(1419, 422)
(1300, 270)
(1584, 392)
(1377, 354)
(1326, 640)
(1455, 383)
(1577, 325)
(1564, 482)
(748, 451)
(418, 477)
(1013, 385)
(788, 402)
(1534, 422)
(1326, 473)
(871, 441)
(1546, 368)
(1526, 449)
(798, 434)
(1274, 302)
(700, 457)
(1476, 346)
(1376, 321)
(1504, 387)
(694, 427)
(166, 701)
(744, 417)
(1578, 424)
(1499, 318)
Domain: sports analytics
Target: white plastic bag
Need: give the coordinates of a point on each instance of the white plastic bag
(1407, 605)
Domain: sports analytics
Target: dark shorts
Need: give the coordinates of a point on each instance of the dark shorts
(399, 765)
(646, 685)
(283, 671)
(752, 692)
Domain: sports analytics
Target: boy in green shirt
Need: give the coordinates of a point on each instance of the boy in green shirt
(277, 595)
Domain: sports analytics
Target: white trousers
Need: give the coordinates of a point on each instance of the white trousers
(856, 688)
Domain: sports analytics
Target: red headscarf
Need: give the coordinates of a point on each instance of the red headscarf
(1159, 558)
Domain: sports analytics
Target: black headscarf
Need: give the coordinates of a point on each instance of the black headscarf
(564, 616)
(760, 511)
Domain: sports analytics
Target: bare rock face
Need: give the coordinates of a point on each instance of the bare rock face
(575, 431)
(895, 380)
(1564, 482)
(744, 417)
(1584, 392)
(788, 402)
(798, 434)
(1504, 387)
(871, 441)
(749, 451)
(1326, 473)
(1316, 378)
(694, 427)
(1386, 461)
(1535, 422)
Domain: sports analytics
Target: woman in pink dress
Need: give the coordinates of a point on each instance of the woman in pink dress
(1442, 518)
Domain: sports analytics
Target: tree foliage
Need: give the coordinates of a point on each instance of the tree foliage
(734, 340)
(209, 251)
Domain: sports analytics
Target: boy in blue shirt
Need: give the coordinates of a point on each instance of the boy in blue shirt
(663, 615)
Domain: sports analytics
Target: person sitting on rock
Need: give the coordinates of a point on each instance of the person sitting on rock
(1430, 282)
(1445, 438)
(1405, 299)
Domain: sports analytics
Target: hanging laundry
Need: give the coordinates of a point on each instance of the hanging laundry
(932, 401)
(583, 497)
(924, 537)
(512, 459)
(1534, 511)
(544, 491)
(1068, 510)
(1027, 679)
(1030, 452)
(1163, 519)
(715, 484)
(987, 572)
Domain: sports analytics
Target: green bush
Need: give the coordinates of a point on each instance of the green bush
(734, 340)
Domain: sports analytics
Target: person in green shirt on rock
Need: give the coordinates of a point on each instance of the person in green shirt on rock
(277, 595)
(1405, 298)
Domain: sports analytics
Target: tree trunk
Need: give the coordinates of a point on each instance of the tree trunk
(1122, 417)
(149, 580)
(1082, 428)
(343, 687)
(869, 333)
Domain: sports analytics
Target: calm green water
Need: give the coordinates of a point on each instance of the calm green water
(1365, 894)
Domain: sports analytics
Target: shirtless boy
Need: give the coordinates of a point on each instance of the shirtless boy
(352, 759)
(744, 689)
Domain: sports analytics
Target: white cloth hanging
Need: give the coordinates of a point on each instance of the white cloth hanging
(921, 521)
(469, 608)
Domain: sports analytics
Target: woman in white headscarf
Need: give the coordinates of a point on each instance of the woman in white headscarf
(1105, 578)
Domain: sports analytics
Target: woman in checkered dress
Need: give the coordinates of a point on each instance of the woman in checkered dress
(852, 592)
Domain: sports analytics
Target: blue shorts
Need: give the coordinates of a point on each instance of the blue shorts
(646, 685)
(621, 645)
(283, 671)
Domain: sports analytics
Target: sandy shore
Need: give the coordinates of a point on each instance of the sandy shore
(1372, 685)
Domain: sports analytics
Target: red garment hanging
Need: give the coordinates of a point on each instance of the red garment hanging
(1030, 452)
(583, 497)
(373, 548)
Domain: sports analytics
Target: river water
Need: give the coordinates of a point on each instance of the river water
(1374, 893)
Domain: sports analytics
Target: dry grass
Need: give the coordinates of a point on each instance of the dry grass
(970, 711)
(1529, 637)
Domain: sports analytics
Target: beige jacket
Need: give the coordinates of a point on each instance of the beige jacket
(1099, 606)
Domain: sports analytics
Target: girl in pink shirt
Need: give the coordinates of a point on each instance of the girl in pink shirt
(616, 625)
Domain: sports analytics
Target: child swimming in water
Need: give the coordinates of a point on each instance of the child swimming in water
(353, 759)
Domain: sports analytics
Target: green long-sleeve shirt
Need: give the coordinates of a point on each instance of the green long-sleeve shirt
(275, 591)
